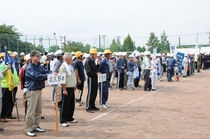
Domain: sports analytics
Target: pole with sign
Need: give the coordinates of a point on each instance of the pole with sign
(55, 80)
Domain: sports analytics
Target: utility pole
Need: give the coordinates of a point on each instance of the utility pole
(103, 36)
(209, 37)
(99, 41)
(179, 42)
(55, 39)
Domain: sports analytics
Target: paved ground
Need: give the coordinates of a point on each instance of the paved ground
(174, 110)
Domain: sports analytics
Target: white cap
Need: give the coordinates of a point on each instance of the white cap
(185, 55)
(72, 53)
(73, 57)
(158, 54)
(15, 53)
(28, 57)
(124, 54)
(131, 56)
(99, 53)
(138, 54)
(147, 53)
(22, 53)
(59, 52)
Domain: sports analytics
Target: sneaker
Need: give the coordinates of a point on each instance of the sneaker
(30, 133)
(38, 129)
(90, 111)
(96, 109)
(1, 129)
(64, 124)
(124, 87)
(131, 89)
(104, 106)
(78, 104)
(74, 121)
(107, 105)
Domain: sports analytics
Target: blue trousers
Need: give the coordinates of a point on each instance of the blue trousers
(105, 91)
(170, 73)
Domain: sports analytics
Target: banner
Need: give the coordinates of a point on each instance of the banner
(180, 57)
(172, 49)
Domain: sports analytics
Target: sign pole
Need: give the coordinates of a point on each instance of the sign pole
(101, 109)
(56, 110)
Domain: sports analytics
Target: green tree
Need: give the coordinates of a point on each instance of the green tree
(40, 48)
(153, 42)
(128, 44)
(164, 44)
(114, 47)
(71, 49)
(141, 49)
(86, 48)
(53, 48)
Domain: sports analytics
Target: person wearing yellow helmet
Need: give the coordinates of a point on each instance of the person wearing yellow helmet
(92, 72)
(104, 69)
(80, 75)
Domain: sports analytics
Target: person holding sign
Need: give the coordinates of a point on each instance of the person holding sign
(68, 97)
(92, 72)
(104, 69)
(35, 76)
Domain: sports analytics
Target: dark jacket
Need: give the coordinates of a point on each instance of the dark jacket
(91, 68)
(35, 76)
(104, 68)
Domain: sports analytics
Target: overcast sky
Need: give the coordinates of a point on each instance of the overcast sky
(84, 20)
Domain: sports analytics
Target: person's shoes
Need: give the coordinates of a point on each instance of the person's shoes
(53, 102)
(160, 80)
(131, 89)
(96, 109)
(30, 134)
(3, 120)
(42, 117)
(78, 104)
(38, 129)
(104, 106)
(120, 89)
(124, 87)
(107, 105)
(90, 111)
(64, 124)
(153, 89)
(11, 117)
(74, 121)
(1, 129)
(138, 86)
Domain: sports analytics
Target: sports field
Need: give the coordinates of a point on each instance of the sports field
(176, 110)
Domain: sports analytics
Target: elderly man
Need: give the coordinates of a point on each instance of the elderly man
(68, 97)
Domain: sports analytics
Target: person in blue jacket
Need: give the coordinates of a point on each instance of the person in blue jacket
(130, 67)
(35, 76)
(120, 70)
(104, 69)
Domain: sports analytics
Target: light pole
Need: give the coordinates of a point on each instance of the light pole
(55, 39)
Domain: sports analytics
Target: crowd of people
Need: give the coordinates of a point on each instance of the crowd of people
(123, 72)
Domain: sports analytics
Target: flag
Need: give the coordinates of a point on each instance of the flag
(8, 60)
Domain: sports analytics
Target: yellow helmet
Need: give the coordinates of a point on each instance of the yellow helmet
(93, 51)
(2, 54)
(78, 54)
(107, 51)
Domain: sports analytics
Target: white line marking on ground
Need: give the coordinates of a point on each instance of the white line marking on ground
(130, 102)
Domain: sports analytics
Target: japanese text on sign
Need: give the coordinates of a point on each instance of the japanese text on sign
(56, 79)
(101, 78)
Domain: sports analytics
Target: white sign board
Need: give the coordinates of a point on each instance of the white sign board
(101, 78)
(53, 79)
(172, 49)
(104, 77)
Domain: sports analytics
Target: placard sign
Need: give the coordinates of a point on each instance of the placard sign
(101, 78)
(53, 79)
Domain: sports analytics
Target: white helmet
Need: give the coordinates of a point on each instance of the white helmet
(59, 53)
(138, 54)
(15, 53)
(22, 53)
